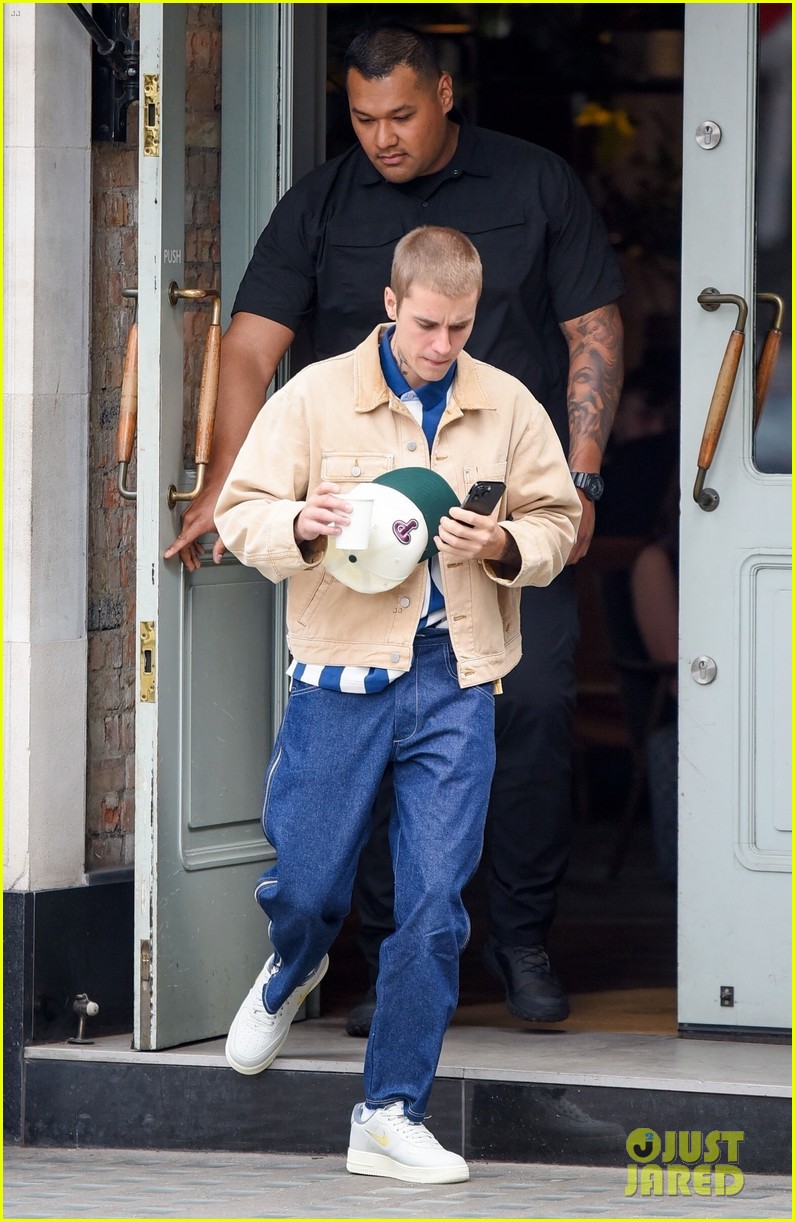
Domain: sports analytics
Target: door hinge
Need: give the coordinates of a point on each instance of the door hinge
(146, 664)
(145, 969)
(114, 67)
(151, 114)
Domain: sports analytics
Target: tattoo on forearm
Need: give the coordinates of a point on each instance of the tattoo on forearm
(596, 374)
(510, 561)
(511, 555)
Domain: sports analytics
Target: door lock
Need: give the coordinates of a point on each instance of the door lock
(708, 134)
(151, 114)
(703, 669)
(147, 661)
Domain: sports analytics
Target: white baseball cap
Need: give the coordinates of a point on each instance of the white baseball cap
(407, 505)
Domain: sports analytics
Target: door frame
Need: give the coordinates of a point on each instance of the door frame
(731, 951)
(198, 836)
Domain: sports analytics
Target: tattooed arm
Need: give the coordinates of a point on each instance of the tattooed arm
(596, 374)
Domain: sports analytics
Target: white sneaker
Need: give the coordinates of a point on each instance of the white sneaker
(386, 1142)
(256, 1036)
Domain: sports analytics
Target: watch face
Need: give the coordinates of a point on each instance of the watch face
(592, 485)
(595, 487)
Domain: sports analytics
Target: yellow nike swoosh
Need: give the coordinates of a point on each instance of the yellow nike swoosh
(382, 1139)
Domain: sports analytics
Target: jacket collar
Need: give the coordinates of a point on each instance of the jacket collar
(371, 390)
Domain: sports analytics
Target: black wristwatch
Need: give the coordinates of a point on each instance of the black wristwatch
(592, 485)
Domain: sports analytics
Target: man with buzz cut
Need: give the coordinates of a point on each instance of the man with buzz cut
(401, 676)
(548, 316)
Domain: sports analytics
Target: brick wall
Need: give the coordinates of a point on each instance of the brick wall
(112, 641)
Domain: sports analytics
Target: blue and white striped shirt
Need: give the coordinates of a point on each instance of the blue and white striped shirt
(426, 405)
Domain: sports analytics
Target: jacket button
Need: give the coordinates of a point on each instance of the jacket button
(412, 445)
(394, 657)
(356, 470)
(405, 602)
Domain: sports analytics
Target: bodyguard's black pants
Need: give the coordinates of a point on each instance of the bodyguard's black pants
(528, 829)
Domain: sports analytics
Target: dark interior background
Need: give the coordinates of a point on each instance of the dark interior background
(600, 84)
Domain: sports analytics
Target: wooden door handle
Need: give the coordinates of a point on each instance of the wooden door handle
(208, 391)
(128, 403)
(711, 299)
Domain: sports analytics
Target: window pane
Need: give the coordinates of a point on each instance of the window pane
(773, 434)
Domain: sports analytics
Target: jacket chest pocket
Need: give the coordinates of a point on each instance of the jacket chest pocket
(354, 466)
(485, 471)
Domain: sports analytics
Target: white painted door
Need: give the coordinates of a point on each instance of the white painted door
(734, 681)
(211, 681)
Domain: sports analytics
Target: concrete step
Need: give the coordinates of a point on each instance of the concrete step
(512, 1093)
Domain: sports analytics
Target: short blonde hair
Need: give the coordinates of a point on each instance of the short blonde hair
(443, 260)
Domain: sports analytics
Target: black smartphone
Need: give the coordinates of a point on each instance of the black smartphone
(483, 496)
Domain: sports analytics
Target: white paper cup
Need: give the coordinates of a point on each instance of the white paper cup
(356, 535)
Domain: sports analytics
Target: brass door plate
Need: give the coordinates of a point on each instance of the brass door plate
(151, 114)
(147, 661)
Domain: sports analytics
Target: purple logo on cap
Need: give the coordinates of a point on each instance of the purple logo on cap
(403, 530)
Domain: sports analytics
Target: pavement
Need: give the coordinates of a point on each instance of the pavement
(100, 1183)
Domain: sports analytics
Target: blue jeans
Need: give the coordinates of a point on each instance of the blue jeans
(320, 787)
(528, 828)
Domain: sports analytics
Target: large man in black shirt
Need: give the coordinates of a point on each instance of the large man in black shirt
(548, 316)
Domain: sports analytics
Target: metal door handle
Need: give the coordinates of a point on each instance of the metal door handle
(769, 357)
(710, 299)
(128, 404)
(208, 392)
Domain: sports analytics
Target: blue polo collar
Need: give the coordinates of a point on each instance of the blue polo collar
(431, 395)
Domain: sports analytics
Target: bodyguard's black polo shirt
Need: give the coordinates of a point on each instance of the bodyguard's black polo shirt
(325, 256)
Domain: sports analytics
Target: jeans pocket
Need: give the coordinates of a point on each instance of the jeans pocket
(299, 687)
(451, 666)
(485, 690)
(450, 661)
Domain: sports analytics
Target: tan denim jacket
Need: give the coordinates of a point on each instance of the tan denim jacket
(337, 420)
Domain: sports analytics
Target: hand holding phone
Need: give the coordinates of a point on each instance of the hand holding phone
(483, 496)
(477, 542)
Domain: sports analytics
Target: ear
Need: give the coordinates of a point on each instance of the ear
(445, 92)
(390, 301)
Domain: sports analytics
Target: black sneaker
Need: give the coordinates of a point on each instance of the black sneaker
(361, 1016)
(561, 1117)
(532, 990)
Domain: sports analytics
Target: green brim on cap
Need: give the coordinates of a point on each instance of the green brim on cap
(432, 495)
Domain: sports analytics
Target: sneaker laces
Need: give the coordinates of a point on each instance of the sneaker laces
(260, 1012)
(258, 989)
(409, 1130)
(532, 959)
